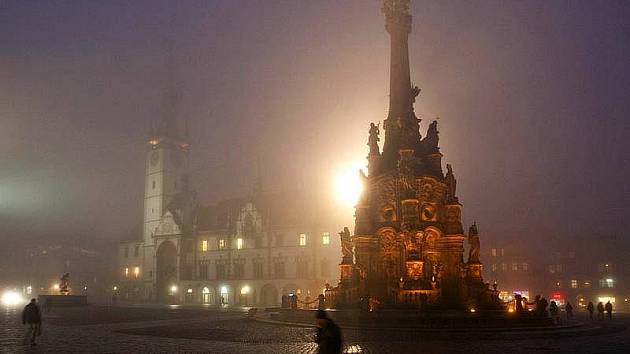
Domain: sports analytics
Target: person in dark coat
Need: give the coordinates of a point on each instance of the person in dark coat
(569, 308)
(32, 317)
(591, 308)
(608, 308)
(600, 311)
(328, 335)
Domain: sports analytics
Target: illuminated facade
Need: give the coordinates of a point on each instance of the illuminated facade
(408, 244)
(242, 251)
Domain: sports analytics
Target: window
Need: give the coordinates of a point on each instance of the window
(504, 267)
(278, 269)
(136, 251)
(326, 238)
(222, 244)
(587, 284)
(302, 239)
(502, 252)
(239, 243)
(153, 185)
(126, 271)
(258, 270)
(204, 246)
(239, 270)
(136, 272)
(552, 268)
(302, 269)
(494, 252)
(525, 266)
(203, 270)
(515, 266)
(574, 283)
(494, 267)
(606, 283)
(126, 251)
(221, 271)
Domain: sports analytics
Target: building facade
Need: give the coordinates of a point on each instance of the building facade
(243, 251)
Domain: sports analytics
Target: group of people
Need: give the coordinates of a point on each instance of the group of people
(600, 310)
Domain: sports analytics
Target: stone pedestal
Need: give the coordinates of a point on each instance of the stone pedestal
(473, 270)
(346, 271)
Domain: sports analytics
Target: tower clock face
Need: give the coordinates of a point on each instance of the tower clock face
(155, 157)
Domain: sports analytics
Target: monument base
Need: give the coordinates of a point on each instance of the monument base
(62, 300)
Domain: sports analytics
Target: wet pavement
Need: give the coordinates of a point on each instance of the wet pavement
(171, 330)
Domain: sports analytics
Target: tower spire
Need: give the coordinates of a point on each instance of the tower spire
(168, 125)
(401, 126)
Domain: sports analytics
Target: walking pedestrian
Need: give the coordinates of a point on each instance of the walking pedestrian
(328, 336)
(600, 311)
(569, 309)
(591, 308)
(608, 308)
(32, 317)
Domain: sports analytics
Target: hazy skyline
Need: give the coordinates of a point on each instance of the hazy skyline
(532, 99)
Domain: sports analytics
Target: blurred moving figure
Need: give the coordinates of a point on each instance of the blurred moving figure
(328, 334)
(32, 317)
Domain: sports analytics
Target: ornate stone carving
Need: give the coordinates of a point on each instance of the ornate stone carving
(373, 139)
(346, 246)
(475, 245)
(451, 185)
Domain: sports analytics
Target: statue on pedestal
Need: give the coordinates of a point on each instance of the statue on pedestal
(475, 246)
(451, 184)
(64, 284)
(346, 246)
(432, 139)
(373, 139)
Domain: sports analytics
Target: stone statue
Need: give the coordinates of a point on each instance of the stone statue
(451, 184)
(346, 246)
(475, 246)
(432, 139)
(64, 284)
(374, 139)
(415, 91)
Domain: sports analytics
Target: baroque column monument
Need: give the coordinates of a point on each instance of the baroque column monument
(407, 250)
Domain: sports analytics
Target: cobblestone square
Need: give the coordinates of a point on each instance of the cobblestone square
(164, 330)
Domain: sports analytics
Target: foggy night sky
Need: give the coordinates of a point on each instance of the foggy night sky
(533, 99)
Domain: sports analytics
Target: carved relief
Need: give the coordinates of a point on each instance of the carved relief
(428, 212)
(387, 240)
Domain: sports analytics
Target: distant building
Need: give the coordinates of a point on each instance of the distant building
(242, 251)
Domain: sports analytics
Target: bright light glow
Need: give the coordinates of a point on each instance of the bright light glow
(189, 291)
(354, 348)
(174, 288)
(348, 185)
(205, 290)
(56, 286)
(11, 298)
(245, 290)
(510, 310)
(126, 270)
(239, 243)
(115, 288)
(29, 290)
(136, 271)
(473, 310)
(204, 246)
(224, 290)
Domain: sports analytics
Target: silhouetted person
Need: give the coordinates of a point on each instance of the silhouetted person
(600, 311)
(569, 309)
(321, 301)
(518, 303)
(328, 336)
(608, 308)
(32, 317)
(591, 308)
(542, 307)
(553, 310)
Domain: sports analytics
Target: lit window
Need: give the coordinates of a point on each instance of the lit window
(245, 290)
(136, 271)
(587, 284)
(239, 243)
(126, 272)
(503, 267)
(494, 252)
(514, 266)
(574, 283)
(221, 244)
(606, 283)
(525, 266)
(204, 246)
(494, 267)
(326, 238)
(302, 239)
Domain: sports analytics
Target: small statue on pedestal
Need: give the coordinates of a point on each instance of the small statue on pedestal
(475, 246)
(373, 139)
(451, 184)
(346, 246)
(64, 284)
